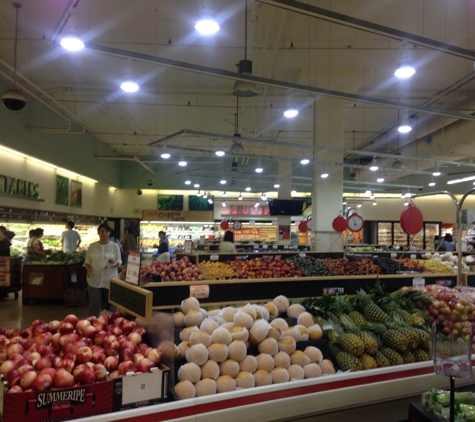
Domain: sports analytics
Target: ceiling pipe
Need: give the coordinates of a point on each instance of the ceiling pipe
(146, 58)
(371, 27)
(138, 160)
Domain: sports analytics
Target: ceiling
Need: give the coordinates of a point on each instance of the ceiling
(186, 83)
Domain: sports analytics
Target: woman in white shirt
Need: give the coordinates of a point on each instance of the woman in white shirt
(102, 260)
(227, 245)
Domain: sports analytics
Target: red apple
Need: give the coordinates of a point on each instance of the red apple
(16, 389)
(44, 338)
(56, 362)
(135, 337)
(115, 315)
(27, 379)
(42, 382)
(84, 354)
(68, 338)
(127, 344)
(117, 331)
(111, 363)
(120, 321)
(83, 323)
(71, 356)
(53, 326)
(77, 345)
(126, 366)
(115, 374)
(14, 348)
(137, 358)
(155, 355)
(55, 340)
(67, 364)
(13, 377)
(104, 319)
(72, 319)
(129, 327)
(92, 319)
(6, 367)
(22, 362)
(38, 329)
(63, 378)
(145, 365)
(66, 328)
(139, 330)
(89, 331)
(42, 363)
(110, 338)
(88, 341)
(3, 357)
(98, 356)
(87, 376)
(16, 357)
(23, 369)
(100, 372)
(50, 371)
(26, 333)
(126, 354)
(112, 348)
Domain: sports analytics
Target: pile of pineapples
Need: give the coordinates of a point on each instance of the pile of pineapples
(373, 331)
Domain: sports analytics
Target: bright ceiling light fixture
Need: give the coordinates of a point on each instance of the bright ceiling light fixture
(291, 111)
(259, 168)
(240, 197)
(304, 159)
(187, 182)
(256, 204)
(223, 204)
(408, 194)
(71, 40)
(324, 174)
(248, 189)
(432, 183)
(344, 201)
(436, 172)
(199, 193)
(405, 68)
(372, 195)
(374, 165)
(359, 205)
(374, 202)
(276, 185)
(236, 148)
(196, 185)
(465, 179)
(182, 162)
(220, 151)
(368, 192)
(245, 89)
(165, 154)
(380, 179)
(222, 181)
(225, 194)
(210, 200)
(263, 196)
(129, 85)
(404, 126)
(293, 191)
(205, 195)
(207, 24)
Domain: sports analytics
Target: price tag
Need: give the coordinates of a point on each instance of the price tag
(393, 255)
(252, 222)
(188, 245)
(286, 246)
(446, 283)
(333, 291)
(275, 247)
(413, 256)
(265, 246)
(214, 258)
(74, 278)
(302, 255)
(200, 291)
(256, 246)
(418, 282)
(133, 268)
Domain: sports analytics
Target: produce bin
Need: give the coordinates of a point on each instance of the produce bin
(10, 264)
(75, 297)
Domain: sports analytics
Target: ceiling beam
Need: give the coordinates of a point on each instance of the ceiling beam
(143, 164)
(146, 58)
(371, 27)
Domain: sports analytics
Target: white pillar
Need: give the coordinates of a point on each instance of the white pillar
(327, 193)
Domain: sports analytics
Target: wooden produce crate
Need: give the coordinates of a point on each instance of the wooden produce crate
(44, 282)
(76, 277)
(10, 279)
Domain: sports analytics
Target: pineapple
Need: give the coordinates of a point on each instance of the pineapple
(424, 338)
(420, 355)
(352, 343)
(370, 343)
(358, 319)
(348, 362)
(367, 362)
(381, 360)
(371, 311)
(395, 340)
(408, 357)
(394, 357)
(408, 318)
(412, 337)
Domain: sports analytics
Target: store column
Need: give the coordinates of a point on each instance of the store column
(327, 192)
(284, 170)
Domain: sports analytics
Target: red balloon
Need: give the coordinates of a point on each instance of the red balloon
(224, 225)
(303, 226)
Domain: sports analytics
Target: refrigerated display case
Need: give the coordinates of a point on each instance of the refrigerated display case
(390, 233)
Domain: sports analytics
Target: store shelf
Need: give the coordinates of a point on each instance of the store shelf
(297, 399)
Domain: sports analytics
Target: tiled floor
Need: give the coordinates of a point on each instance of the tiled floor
(14, 314)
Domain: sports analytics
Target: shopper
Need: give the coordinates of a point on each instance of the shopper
(128, 242)
(102, 260)
(163, 246)
(5, 241)
(227, 245)
(70, 239)
(449, 244)
(34, 247)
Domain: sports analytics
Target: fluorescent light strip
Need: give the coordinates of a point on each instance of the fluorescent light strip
(42, 162)
(465, 179)
(67, 171)
(88, 179)
(13, 151)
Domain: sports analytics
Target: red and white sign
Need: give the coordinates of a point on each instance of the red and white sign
(133, 268)
(199, 291)
(240, 209)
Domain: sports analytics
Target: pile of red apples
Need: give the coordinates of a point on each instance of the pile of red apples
(73, 352)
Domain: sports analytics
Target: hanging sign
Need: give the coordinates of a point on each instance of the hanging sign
(133, 268)
(411, 220)
(339, 224)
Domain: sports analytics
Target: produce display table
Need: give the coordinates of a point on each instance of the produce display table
(298, 398)
(417, 413)
(49, 282)
(142, 300)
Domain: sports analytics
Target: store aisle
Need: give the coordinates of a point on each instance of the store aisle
(13, 314)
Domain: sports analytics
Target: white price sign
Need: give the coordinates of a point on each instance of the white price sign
(413, 256)
(214, 258)
(199, 291)
(302, 255)
(275, 247)
(286, 246)
(256, 246)
(393, 255)
(133, 268)
(265, 246)
(418, 282)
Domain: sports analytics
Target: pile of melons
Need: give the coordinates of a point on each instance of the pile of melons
(215, 344)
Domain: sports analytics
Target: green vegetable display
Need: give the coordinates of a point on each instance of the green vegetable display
(60, 258)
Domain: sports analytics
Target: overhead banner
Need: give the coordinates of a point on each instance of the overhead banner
(190, 216)
(242, 209)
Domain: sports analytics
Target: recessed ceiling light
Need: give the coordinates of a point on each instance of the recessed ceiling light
(248, 189)
(187, 182)
(259, 168)
(182, 162)
(222, 181)
(196, 185)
